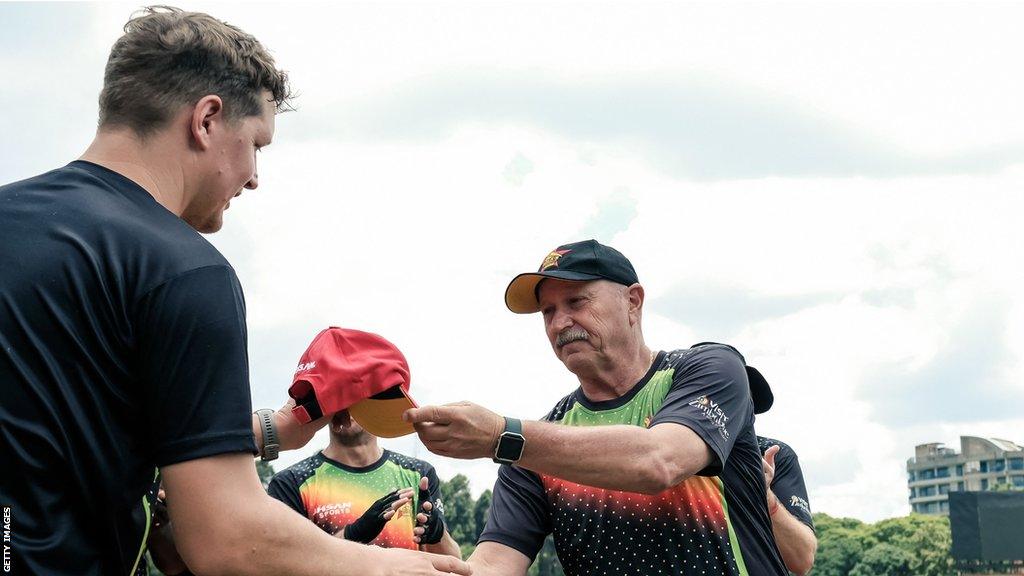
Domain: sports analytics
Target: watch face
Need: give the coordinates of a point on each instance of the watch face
(510, 447)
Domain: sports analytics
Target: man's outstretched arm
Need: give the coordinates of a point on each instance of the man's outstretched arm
(224, 523)
(290, 433)
(598, 456)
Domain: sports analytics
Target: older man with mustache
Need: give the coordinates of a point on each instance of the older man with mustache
(651, 466)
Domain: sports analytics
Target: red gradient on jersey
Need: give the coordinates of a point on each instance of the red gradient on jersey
(332, 512)
(695, 503)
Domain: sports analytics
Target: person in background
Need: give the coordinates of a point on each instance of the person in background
(788, 504)
(356, 490)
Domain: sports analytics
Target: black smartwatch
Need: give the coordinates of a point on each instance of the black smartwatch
(511, 443)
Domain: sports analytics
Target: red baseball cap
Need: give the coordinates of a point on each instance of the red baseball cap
(358, 371)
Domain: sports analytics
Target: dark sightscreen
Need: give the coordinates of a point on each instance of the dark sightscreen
(987, 526)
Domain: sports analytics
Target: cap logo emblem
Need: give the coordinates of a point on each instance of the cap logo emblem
(551, 260)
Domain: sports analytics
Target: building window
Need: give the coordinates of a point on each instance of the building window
(1018, 481)
(960, 486)
(926, 491)
(997, 466)
(911, 476)
(944, 507)
(931, 508)
(959, 469)
(1016, 463)
(942, 472)
(984, 483)
(984, 465)
(944, 489)
(927, 474)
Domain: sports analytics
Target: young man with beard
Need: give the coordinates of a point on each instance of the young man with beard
(123, 344)
(355, 490)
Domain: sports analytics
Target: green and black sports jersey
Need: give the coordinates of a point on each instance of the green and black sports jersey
(334, 495)
(714, 523)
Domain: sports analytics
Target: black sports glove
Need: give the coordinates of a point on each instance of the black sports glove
(434, 526)
(369, 525)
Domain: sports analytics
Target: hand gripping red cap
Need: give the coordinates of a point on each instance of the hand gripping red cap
(358, 371)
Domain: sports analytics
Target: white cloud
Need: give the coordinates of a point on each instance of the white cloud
(416, 240)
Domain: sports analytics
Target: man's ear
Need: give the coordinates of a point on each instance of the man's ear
(207, 115)
(635, 298)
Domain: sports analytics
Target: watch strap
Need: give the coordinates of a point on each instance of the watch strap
(271, 443)
(513, 434)
(514, 425)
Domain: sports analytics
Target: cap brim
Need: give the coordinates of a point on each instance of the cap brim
(383, 417)
(521, 294)
(760, 391)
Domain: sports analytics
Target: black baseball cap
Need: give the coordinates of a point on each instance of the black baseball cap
(760, 391)
(577, 262)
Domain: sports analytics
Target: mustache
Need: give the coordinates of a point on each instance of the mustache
(571, 335)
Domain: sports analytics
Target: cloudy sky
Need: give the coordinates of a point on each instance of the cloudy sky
(833, 188)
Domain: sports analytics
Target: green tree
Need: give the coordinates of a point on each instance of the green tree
(265, 471)
(841, 544)
(458, 509)
(884, 560)
(916, 545)
(926, 538)
(480, 510)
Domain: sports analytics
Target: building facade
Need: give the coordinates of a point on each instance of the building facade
(982, 464)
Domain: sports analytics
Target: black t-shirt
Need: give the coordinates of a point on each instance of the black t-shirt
(334, 495)
(713, 523)
(122, 349)
(788, 483)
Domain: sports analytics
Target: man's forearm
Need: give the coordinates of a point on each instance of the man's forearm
(447, 546)
(267, 538)
(604, 456)
(493, 559)
(291, 435)
(795, 540)
(224, 523)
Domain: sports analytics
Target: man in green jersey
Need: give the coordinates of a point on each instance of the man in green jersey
(358, 491)
(651, 466)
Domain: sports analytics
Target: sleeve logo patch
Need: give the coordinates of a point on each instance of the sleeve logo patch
(305, 366)
(798, 502)
(713, 412)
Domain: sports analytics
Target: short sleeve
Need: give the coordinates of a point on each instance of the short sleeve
(519, 516)
(283, 487)
(711, 396)
(194, 368)
(788, 485)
